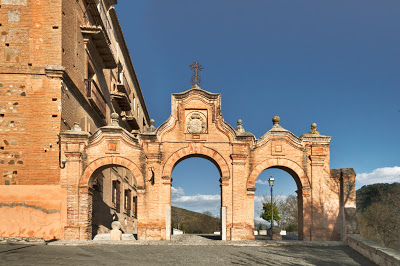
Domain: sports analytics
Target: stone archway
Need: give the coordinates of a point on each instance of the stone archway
(108, 161)
(279, 163)
(298, 175)
(86, 191)
(199, 150)
(196, 128)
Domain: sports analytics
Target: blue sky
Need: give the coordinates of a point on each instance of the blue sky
(336, 63)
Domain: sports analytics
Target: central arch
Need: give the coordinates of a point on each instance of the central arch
(194, 150)
(196, 187)
(199, 150)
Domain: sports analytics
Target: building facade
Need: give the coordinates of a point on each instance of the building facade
(64, 62)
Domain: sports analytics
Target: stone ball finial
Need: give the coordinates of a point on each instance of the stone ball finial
(76, 127)
(114, 119)
(239, 127)
(314, 126)
(151, 128)
(276, 119)
(114, 115)
(314, 129)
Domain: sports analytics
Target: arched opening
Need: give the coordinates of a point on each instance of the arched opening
(113, 198)
(196, 197)
(287, 204)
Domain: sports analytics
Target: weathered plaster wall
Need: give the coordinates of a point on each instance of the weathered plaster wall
(34, 211)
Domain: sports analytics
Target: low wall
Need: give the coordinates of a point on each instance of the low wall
(373, 251)
(32, 211)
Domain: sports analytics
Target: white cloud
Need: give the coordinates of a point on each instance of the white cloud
(177, 191)
(197, 203)
(380, 175)
(258, 181)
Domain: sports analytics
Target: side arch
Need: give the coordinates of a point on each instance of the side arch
(200, 151)
(111, 160)
(283, 163)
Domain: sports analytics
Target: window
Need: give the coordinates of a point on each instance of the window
(134, 206)
(127, 202)
(116, 192)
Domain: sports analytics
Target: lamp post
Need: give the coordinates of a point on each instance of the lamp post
(271, 181)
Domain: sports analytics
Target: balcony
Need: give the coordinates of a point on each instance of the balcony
(121, 96)
(122, 100)
(101, 42)
(123, 85)
(131, 120)
(95, 97)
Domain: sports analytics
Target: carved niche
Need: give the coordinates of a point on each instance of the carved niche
(196, 123)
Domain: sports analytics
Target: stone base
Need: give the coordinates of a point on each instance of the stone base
(107, 237)
(276, 233)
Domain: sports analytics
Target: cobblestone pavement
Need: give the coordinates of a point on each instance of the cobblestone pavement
(182, 250)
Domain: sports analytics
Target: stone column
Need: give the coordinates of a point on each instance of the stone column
(165, 202)
(141, 213)
(168, 222)
(323, 200)
(223, 223)
(85, 212)
(242, 201)
(72, 145)
(226, 202)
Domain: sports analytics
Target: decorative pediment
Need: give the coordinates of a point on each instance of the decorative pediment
(113, 132)
(196, 90)
(278, 130)
(196, 116)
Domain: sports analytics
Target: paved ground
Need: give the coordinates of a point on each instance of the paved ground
(194, 250)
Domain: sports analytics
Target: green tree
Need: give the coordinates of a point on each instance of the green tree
(266, 213)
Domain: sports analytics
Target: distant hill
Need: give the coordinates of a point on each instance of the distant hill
(373, 193)
(193, 222)
(378, 207)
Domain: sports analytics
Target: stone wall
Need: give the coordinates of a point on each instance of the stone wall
(34, 211)
(375, 252)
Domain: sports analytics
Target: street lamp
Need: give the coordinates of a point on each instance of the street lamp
(271, 181)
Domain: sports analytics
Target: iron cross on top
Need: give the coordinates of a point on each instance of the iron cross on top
(196, 67)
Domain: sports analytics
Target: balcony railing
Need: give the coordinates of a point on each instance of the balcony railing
(121, 95)
(95, 97)
(131, 120)
(123, 85)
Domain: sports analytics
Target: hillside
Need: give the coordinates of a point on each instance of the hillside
(378, 208)
(366, 195)
(193, 222)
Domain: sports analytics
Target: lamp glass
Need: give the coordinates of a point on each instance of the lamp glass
(271, 181)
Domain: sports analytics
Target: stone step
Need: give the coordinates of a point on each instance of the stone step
(107, 237)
